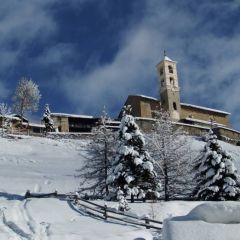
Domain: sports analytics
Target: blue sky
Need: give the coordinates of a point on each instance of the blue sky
(85, 54)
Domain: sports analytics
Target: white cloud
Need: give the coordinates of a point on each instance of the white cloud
(208, 63)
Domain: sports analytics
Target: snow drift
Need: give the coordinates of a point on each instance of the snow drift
(213, 220)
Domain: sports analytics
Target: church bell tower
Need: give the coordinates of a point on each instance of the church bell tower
(169, 87)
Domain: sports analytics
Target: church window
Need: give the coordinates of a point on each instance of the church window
(172, 81)
(174, 106)
(170, 69)
(161, 71)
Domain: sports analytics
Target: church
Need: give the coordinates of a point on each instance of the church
(195, 119)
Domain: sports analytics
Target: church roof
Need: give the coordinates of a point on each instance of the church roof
(166, 58)
(144, 96)
(205, 108)
(70, 115)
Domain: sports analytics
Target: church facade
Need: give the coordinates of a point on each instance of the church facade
(195, 119)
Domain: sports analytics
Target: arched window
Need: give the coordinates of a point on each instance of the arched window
(174, 106)
(170, 69)
(161, 71)
(171, 81)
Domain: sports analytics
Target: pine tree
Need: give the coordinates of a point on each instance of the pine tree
(100, 150)
(170, 148)
(132, 169)
(216, 176)
(49, 125)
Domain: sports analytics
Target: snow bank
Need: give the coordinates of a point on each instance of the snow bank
(216, 212)
(213, 220)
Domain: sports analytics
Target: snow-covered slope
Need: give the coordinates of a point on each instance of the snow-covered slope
(38, 164)
(43, 165)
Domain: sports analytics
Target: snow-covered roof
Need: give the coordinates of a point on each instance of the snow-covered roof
(177, 123)
(11, 117)
(205, 122)
(144, 118)
(113, 122)
(205, 108)
(148, 97)
(168, 59)
(34, 125)
(70, 115)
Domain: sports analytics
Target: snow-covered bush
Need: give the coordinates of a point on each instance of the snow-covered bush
(216, 176)
(132, 169)
(122, 201)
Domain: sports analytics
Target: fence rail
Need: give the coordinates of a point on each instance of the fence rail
(100, 211)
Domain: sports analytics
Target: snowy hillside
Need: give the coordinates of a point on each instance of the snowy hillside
(43, 165)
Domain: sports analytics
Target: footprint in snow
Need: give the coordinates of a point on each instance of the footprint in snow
(47, 182)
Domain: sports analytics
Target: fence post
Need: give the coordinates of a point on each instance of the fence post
(55, 193)
(75, 198)
(105, 211)
(147, 222)
(27, 194)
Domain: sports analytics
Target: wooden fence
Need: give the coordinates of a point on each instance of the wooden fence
(102, 212)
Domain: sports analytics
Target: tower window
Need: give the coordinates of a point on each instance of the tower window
(174, 106)
(172, 81)
(161, 71)
(170, 69)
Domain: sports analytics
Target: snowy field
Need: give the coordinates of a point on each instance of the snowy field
(44, 165)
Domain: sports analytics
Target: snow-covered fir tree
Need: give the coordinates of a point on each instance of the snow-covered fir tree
(49, 125)
(101, 150)
(216, 176)
(170, 148)
(133, 170)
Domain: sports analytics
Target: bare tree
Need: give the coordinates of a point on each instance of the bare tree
(170, 148)
(5, 110)
(100, 150)
(26, 98)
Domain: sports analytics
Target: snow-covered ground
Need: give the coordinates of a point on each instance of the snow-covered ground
(44, 165)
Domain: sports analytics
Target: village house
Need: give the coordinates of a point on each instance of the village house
(16, 125)
(73, 123)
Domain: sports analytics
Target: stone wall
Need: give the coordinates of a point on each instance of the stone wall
(227, 135)
(205, 115)
(142, 106)
(61, 122)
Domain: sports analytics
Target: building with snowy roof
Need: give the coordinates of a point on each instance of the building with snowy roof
(195, 119)
(74, 123)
